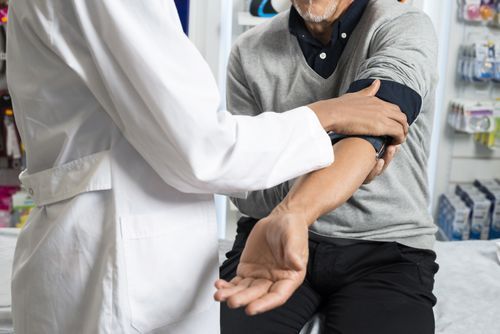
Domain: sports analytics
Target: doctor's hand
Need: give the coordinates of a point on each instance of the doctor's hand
(362, 113)
(272, 265)
(383, 163)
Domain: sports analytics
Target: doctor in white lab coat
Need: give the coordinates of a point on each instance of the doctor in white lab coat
(117, 111)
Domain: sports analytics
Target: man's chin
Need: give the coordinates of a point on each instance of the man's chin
(312, 16)
(315, 19)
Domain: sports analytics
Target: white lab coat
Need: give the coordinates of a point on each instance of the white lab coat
(117, 111)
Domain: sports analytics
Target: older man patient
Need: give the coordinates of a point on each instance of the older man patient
(370, 261)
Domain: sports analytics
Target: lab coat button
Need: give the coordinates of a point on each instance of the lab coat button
(31, 191)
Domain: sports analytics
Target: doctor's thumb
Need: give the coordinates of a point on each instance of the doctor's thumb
(372, 90)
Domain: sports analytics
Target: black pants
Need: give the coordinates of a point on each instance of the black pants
(360, 287)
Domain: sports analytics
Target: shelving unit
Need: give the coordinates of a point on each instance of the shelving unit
(9, 177)
(459, 158)
(248, 20)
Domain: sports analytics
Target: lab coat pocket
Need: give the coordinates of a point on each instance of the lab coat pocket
(171, 264)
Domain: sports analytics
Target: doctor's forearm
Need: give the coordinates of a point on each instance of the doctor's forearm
(320, 192)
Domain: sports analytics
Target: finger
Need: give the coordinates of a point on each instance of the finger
(394, 112)
(293, 260)
(396, 131)
(236, 280)
(257, 289)
(223, 294)
(372, 89)
(376, 171)
(389, 155)
(280, 292)
(296, 252)
(221, 284)
(404, 128)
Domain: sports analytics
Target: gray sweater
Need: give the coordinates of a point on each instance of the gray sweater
(392, 41)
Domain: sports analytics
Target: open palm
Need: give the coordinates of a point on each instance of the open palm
(272, 265)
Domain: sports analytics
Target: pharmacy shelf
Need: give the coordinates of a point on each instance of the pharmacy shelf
(247, 19)
(9, 177)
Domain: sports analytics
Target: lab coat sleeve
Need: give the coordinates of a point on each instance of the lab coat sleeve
(165, 102)
(240, 100)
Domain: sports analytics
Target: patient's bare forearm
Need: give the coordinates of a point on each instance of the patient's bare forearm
(324, 190)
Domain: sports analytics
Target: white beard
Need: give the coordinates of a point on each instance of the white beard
(310, 17)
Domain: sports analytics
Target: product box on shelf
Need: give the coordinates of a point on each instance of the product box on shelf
(471, 116)
(453, 217)
(479, 11)
(491, 139)
(477, 61)
(22, 204)
(480, 208)
(492, 191)
(15, 207)
(6, 193)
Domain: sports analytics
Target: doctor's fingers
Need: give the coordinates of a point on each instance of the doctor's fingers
(224, 293)
(278, 295)
(393, 112)
(254, 291)
(395, 130)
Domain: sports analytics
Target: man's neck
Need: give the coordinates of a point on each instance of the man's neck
(322, 31)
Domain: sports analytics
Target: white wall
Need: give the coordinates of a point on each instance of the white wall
(204, 29)
(441, 14)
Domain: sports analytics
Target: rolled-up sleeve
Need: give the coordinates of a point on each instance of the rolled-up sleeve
(408, 100)
(403, 55)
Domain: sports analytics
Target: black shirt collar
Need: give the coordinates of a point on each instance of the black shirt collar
(345, 24)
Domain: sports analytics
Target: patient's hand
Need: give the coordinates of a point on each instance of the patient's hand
(383, 163)
(272, 266)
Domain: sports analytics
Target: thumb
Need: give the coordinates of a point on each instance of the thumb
(295, 255)
(372, 89)
(377, 170)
